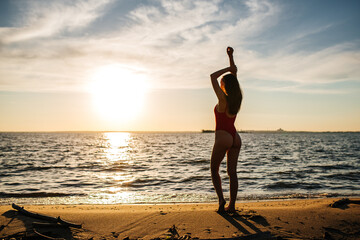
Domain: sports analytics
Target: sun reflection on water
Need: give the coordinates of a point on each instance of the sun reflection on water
(118, 158)
(118, 146)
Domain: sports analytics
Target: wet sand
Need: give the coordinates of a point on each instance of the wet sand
(288, 219)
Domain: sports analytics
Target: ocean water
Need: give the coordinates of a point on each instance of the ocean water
(118, 167)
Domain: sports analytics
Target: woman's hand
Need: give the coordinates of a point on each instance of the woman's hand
(230, 51)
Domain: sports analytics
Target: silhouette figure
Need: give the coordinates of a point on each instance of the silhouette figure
(227, 140)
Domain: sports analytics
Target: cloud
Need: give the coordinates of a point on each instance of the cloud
(176, 43)
(187, 23)
(177, 36)
(48, 18)
(167, 39)
(333, 64)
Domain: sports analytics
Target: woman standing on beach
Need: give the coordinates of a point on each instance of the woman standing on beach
(227, 140)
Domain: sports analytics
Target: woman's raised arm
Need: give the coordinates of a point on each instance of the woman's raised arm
(233, 67)
(214, 76)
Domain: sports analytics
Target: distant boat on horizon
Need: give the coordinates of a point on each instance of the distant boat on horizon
(207, 131)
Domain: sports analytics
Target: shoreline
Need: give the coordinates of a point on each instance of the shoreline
(84, 199)
(259, 219)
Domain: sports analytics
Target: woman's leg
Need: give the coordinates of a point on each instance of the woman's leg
(223, 141)
(232, 159)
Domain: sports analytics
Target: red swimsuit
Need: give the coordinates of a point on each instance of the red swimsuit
(223, 122)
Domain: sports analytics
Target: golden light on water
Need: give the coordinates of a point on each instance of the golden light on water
(118, 92)
(117, 153)
(118, 147)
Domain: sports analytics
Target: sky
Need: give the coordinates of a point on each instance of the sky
(116, 65)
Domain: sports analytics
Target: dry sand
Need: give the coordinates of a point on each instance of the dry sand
(287, 219)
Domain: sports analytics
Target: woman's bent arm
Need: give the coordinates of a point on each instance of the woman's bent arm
(214, 76)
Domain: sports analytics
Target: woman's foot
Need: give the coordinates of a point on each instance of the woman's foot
(230, 209)
(221, 206)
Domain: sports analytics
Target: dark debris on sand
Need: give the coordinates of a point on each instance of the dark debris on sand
(343, 203)
(49, 228)
(173, 234)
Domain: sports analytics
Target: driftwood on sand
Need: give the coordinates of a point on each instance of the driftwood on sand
(57, 220)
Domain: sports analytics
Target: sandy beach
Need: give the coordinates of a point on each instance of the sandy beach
(288, 219)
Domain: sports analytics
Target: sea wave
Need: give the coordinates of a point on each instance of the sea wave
(36, 195)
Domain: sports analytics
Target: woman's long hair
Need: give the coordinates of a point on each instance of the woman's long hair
(233, 93)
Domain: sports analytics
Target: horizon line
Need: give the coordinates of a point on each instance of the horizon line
(171, 131)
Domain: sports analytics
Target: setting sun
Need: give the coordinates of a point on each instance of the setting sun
(118, 92)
